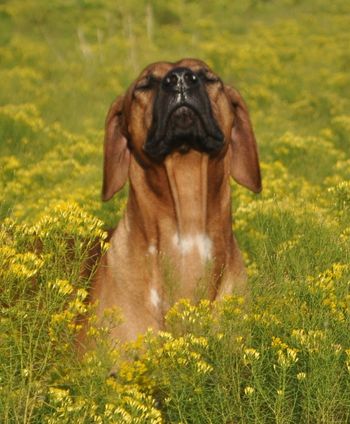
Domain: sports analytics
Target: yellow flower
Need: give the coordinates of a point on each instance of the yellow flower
(347, 362)
(301, 376)
(277, 342)
(286, 358)
(62, 286)
(58, 394)
(249, 391)
(250, 355)
(202, 367)
(311, 340)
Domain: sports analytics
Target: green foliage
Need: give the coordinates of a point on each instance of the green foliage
(283, 355)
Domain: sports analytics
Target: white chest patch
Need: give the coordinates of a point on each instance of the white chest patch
(199, 242)
(154, 296)
(152, 250)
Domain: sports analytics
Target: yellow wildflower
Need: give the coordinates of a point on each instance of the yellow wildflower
(249, 391)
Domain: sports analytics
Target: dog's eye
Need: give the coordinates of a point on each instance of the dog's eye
(207, 76)
(147, 83)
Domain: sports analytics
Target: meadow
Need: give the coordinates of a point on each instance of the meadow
(283, 356)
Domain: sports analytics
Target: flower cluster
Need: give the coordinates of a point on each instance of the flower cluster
(282, 354)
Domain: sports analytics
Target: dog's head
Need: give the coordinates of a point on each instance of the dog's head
(178, 107)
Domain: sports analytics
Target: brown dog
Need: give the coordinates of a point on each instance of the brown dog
(177, 135)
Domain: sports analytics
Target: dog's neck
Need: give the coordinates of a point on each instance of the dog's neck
(188, 183)
(192, 226)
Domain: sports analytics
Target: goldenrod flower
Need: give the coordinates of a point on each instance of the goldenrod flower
(249, 391)
(250, 355)
(301, 376)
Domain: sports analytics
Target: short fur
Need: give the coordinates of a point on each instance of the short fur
(175, 239)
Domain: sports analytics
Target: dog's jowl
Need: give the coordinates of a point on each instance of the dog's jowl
(177, 135)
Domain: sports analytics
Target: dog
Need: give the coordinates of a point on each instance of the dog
(177, 135)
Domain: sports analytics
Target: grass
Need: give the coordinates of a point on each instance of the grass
(282, 358)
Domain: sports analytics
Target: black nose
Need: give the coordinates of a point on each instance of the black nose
(180, 80)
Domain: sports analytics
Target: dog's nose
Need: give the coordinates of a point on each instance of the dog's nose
(180, 80)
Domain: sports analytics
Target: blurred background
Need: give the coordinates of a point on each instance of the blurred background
(64, 61)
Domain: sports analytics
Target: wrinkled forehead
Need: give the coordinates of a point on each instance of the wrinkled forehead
(160, 69)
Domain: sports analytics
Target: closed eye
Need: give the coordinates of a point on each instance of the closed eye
(208, 77)
(147, 83)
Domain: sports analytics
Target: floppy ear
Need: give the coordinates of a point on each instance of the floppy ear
(244, 161)
(116, 153)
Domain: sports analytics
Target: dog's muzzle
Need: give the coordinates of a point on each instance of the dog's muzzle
(182, 117)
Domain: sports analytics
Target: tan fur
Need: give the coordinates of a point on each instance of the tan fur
(175, 239)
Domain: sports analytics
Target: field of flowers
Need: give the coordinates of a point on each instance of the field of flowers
(281, 357)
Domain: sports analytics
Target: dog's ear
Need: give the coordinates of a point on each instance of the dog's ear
(243, 151)
(116, 152)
